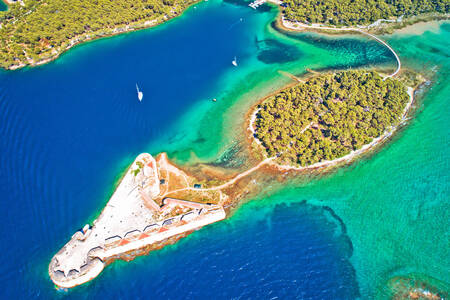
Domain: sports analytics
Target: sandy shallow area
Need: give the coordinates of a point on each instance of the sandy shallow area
(422, 27)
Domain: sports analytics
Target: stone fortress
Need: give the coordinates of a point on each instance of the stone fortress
(131, 220)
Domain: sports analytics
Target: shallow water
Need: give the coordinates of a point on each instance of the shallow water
(71, 127)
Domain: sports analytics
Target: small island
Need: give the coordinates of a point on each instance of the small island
(319, 121)
(329, 116)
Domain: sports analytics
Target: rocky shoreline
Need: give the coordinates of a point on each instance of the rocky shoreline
(259, 150)
(87, 37)
(381, 26)
(136, 220)
(167, 226)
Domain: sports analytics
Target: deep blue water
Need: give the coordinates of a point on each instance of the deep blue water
(67, 130)
(295, 251)
(3, 6)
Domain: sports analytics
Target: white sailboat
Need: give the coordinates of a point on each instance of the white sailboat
(140, 94)
(234, 62)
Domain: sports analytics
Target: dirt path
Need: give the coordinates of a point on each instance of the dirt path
(235, 179)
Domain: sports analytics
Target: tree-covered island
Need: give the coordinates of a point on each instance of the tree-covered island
(359, 12)
(35, 31)
(329, 116)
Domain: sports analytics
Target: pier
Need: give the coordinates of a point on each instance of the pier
(257, 3)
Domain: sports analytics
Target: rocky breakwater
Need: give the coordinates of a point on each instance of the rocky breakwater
(136, 216)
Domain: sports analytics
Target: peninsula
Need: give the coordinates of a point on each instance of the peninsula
(315, 125)
(152, 206)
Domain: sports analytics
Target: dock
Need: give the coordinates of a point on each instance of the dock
(255, 4)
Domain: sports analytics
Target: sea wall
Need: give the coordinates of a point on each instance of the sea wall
(163, 231)
(131, 220)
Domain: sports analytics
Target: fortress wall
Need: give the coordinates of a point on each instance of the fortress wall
(96, 265)
(208, 218)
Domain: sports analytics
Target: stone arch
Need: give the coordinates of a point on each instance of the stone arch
(132, 232)
(168, 222)
(113, 239)
(73, 272)
(150, 227)
(188, 216)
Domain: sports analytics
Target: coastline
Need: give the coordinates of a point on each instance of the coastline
(298, 27)
(79, 262)
(133, 222)
(328, 163)
(421, 27)
(364, 149)
(381, 26)
(376, 27)
(104, 33)
(144, 248)
(285, 24)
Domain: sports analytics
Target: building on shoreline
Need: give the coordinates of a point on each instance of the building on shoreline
(131, 220)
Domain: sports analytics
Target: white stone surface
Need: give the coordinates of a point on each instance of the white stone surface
(124, 212)
(126, 216)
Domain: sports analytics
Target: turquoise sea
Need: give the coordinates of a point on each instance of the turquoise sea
(70, 128)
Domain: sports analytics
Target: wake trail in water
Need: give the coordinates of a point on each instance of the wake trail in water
(235, 23)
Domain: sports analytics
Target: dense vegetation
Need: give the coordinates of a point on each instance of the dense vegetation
(329, 116)
(42, 28)
(359, 12)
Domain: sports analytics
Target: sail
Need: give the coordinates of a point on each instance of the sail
(234, 62)
(140, 94)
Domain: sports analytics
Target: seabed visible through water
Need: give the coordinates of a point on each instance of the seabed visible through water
(71, 127)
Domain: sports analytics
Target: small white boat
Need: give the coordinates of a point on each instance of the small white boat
(234, 62)
(140, 94)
